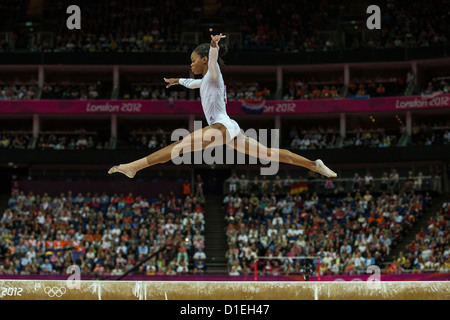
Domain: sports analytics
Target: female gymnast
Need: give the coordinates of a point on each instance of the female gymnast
(205, 61)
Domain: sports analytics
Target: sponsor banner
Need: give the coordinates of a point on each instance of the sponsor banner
(233, 107)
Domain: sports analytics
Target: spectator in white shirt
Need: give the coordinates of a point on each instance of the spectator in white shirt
(234, 181)
(122, 248)
(397, 217)
(199, 255)
(358, 261)
(116, 231)
(368, 181)
(47, 267)
(198, 215)
(143, 249)
(426, 253)
(253, 236)
(277, 220)
(271, 230)
(117, 271)
(228, 198)
(242, 238)
(347, 247)
(187, 220)
(446, 137)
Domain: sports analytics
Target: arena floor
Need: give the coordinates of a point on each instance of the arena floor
(177, 290)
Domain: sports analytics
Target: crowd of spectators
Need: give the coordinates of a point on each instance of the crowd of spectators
(68, 90)
(394, 84)
(294, 89)
(77, 140)
(378, 138)
(371, 86)
(389, 181)
(152, 91)
(252, 90)
(292, 218)
(410, 24)
(157, 139)
(347, 233)
(53, 140)
(245, 186)
(104, 234)
(277, 26)
(15, 140)
(236, 90)
(373, 89)
(392, 181)
(270, 25)
(116, 26)
(427, 133)
(314, 138)
(430, 250)
(18, 90)
(297, 89)
(436, 85)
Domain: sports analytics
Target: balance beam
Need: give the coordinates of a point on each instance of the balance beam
(221, 290)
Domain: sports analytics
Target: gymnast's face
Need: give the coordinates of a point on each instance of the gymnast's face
(199, 65)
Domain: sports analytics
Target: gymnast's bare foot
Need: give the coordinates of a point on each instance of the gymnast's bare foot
(124, 169)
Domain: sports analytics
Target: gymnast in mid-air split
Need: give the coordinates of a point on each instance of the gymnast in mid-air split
(205, 61)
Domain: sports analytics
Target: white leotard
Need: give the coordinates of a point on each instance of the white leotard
(213, 94)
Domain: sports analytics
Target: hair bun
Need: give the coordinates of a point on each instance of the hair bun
(223, 49)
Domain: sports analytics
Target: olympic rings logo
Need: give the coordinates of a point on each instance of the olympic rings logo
(55, 291)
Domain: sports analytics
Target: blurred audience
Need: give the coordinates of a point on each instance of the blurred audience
(15, 140)
(297, 89)
(347, 234)
(427, 133)
(263, 26)
(430, 250)
(314, 138)
(378, 138)
(104, 234)
(18, 90)
(67, 90)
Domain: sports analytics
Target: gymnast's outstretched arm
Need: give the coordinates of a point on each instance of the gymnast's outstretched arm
(186, 82)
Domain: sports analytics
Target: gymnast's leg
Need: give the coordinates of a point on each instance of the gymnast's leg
(252, 147)
(207, 137)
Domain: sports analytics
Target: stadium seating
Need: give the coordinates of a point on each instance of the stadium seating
(105, 234)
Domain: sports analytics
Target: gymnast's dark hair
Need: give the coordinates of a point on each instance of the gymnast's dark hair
(203, 51)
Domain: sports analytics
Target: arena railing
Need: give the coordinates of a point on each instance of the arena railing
(313, 269)
(342, 184)
(307, 269)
